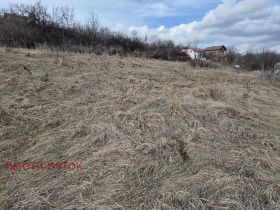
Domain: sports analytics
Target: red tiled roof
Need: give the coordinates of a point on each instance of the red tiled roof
(194, 49)
(214, 48)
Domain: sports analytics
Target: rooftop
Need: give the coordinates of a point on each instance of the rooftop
(215, 48)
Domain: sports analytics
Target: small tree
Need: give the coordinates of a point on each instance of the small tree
(92, 27)
(232, 55)
(196, 42)
(250, 61)
(268, 59)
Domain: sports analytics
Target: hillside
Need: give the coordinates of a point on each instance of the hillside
(150, 134)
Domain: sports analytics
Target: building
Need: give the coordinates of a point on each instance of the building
(193, 52)
(215, 50)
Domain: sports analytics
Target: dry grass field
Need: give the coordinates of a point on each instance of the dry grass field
(151, 134)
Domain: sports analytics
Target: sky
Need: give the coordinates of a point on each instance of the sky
(244, 24)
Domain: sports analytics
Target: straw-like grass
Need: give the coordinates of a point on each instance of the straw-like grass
(151, 134)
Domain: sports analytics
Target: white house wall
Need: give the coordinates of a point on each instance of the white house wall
(193, 54)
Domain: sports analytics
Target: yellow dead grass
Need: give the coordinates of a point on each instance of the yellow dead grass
(152, 134)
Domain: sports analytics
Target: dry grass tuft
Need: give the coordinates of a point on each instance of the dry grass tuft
(3, 114)
(217, 94)
(151, 134)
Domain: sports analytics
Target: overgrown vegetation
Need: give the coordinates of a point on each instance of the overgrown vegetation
(23, 25)
(264, 59)
(152, 134)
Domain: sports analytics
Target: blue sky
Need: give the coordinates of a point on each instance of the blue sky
(245, 24)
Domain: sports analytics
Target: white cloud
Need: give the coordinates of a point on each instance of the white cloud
(128, 12)
(154, 10)
(246, 24)
(243, 23)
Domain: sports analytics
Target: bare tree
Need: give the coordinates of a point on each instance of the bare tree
(93, 26)
(20, 9)
(63, 16)
(195, 42)
(134, 35)
(2, 12)
(232, 55)
(268, 59)
(57, 28)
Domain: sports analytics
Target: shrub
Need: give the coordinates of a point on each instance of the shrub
(202, 63)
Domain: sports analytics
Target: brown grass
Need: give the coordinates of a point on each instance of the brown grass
(152, 134)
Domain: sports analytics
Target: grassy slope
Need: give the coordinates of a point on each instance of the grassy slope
(152, 134)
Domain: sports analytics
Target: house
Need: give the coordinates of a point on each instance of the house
(215, 50)
(193, 52)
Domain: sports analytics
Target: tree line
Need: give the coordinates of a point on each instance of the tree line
(23, 25)
(263, 59)
(28, 25)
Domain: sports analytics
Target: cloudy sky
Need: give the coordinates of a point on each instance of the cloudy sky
(245, 24)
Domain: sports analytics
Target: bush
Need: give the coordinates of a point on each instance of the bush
(202, 63)
(264, 60)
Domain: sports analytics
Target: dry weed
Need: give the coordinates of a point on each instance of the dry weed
(152, 134)
(217, 94)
